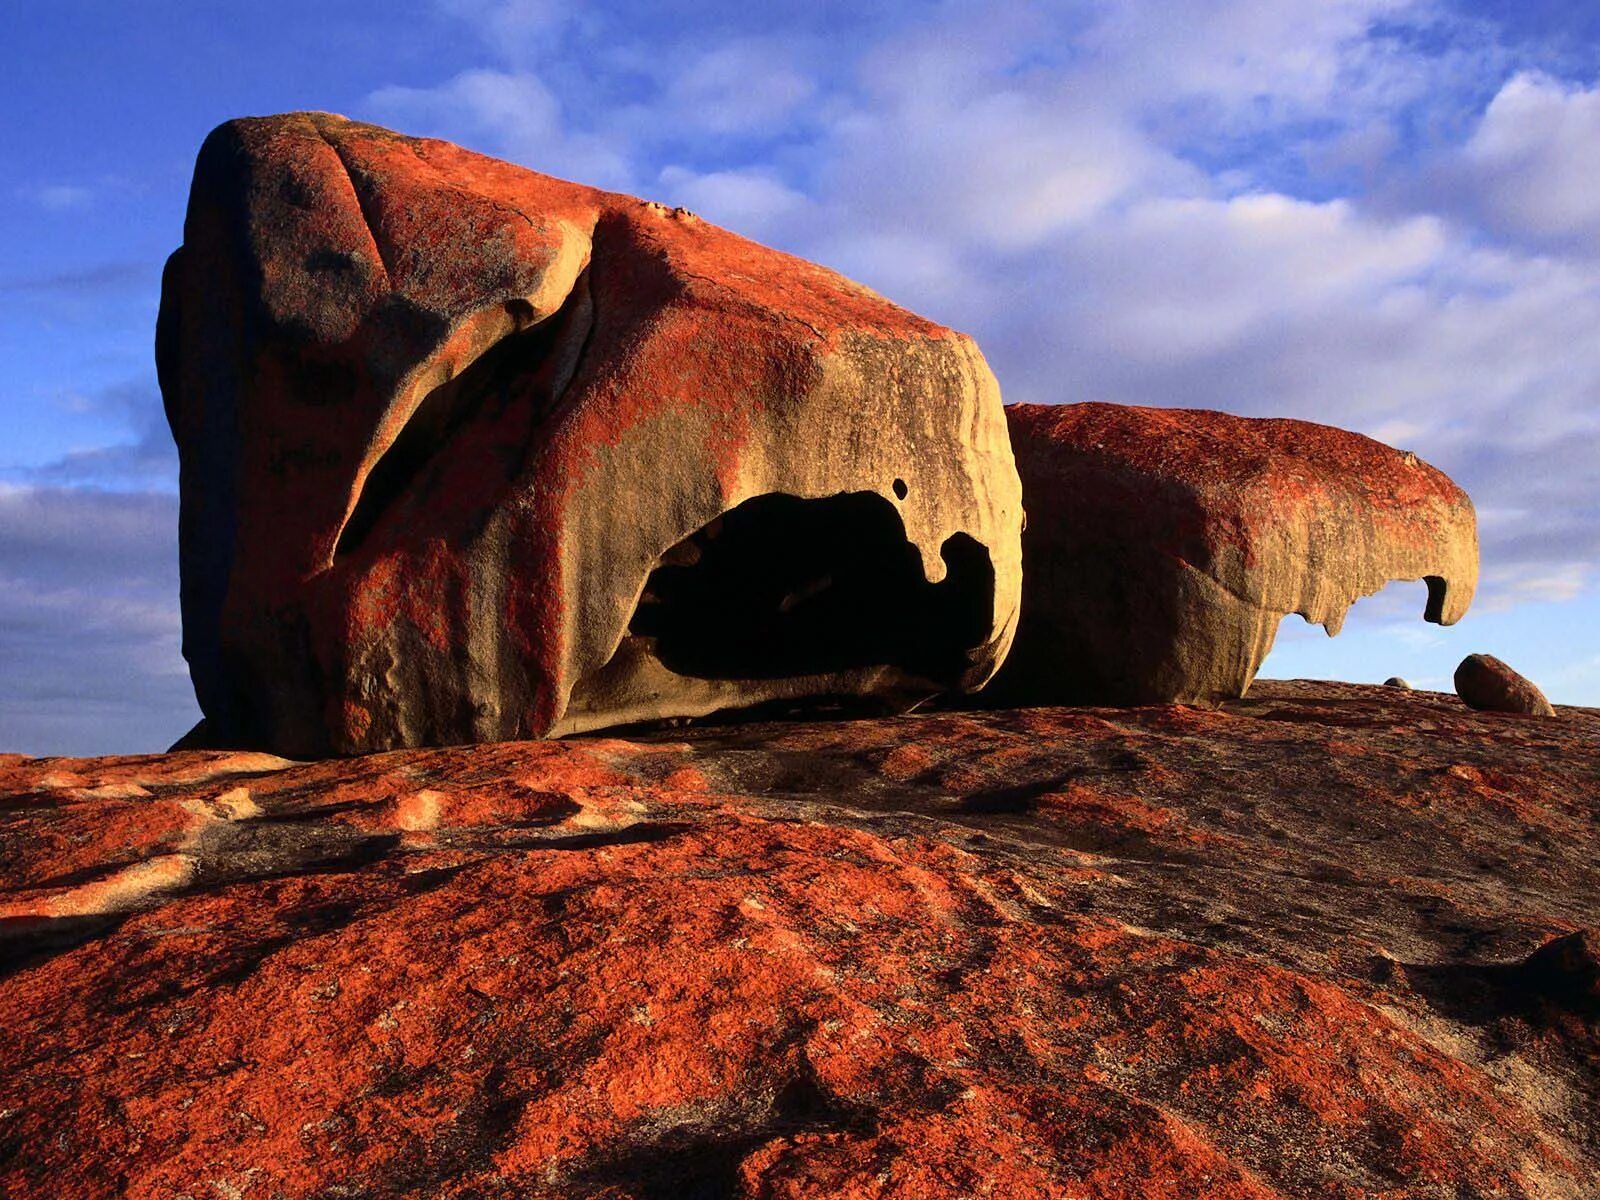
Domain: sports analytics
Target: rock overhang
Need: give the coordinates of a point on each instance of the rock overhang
(1164, 546)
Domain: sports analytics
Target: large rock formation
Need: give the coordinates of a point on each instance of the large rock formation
(1164, 546)
(471, 453)
(1325, 942)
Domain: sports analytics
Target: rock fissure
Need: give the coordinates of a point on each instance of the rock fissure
(363, 205)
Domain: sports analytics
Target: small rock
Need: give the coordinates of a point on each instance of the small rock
(1395, 681)
(1568, 965)
(1483, 681)
(1386, 970)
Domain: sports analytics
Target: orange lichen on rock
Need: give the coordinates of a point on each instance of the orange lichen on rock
(1045, 953)
(1164, 546)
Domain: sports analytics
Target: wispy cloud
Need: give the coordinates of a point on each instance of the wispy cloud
(1508, 587)
(144, 459)
(58, 197)
(102, 277)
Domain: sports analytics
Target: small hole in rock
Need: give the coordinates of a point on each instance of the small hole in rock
(900, 488)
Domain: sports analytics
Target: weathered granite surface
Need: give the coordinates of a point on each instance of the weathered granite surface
(1284, 948)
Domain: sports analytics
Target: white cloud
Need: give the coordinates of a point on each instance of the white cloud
(1003, 170)
(740, 86)
(751, 201)
(511, 106)
(1532, 166)
(1178, 280)
(508, 113)
(904, 263)
(58, 197)
(1257, 59)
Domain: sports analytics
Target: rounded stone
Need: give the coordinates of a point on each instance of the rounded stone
(1569, 964)
(1484, 682)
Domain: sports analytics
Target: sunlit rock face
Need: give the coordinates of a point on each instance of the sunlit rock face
(470, 453)
(1164, 546)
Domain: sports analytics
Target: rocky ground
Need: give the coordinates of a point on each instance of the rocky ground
(1279, 949)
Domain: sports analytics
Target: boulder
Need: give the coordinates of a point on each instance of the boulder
(1163, 546)
(1483, 681)
(471, 453)
(1395, 681)
(1567, 967)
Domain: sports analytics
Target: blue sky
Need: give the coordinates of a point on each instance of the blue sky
(1380, 214)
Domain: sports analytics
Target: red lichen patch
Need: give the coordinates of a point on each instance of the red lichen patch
(1219, 453)
(1477, 788)
(117, 891)
(687, 779)
(907, 762)
(65, 841)
(751, 961)
(1091, 809)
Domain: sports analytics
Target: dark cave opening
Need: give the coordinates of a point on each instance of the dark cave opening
(1438, 589)
(782, 586)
